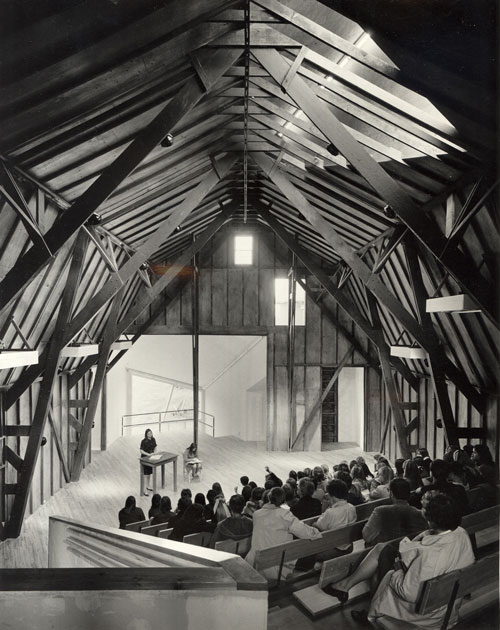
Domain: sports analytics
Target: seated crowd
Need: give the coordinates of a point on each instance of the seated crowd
(428, 499)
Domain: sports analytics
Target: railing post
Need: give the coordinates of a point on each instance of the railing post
(159, 422)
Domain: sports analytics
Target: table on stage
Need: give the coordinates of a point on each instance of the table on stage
(156, 460)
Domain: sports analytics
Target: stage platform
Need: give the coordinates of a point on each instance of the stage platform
(113, 475)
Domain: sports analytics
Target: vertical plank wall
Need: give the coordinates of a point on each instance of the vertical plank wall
(240, 300)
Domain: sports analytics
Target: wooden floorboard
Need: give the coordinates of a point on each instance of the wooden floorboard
(114, 474)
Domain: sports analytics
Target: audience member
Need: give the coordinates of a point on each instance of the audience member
(255, 502)
(191, 522)
(182, 504)
(412, 474)
(272, 526)
(236, 526)
(354, 495)
(359, 478)
(387, 522)
(155, 505)
(199, 498)
(399, 467)
(130, 513)
(481, 455)
(442, 548)
(221, 510)
(290, 498)
(440, 471)
(380, 485)
(361, 462)
(272, 480)
(306, 505)
(487, 492)
(246, 492)
(209, 507)
(165, 513)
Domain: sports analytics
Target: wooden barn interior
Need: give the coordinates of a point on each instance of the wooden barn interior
(350, 149)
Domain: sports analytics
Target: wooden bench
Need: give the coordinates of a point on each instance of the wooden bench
(474, 588)
(154, 530)
(316, 602)
(201, 539)
(238, 547)
(165, 533)
(363, 511)
(137, 527)
(301, 548)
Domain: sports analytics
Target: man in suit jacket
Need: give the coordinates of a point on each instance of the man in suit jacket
(394, 521)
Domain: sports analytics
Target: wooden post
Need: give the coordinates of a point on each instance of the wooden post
(195, 341)
(291, 354)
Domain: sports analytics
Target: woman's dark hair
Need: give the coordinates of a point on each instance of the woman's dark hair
(318, 473)
(252, 484)
(352, 463)
(357, 472)
(246, 492)
(440, 510)
(399, 466)
(343, 467)
(130, 503)
(155, 501)
(146, 433)
(236, 504)
(244, 480)
(186, 493)
(341, 475)
(412, 472)
(182, 505)
(265, 496)
(293, 475)
(423, 452)
(307, 472)
(306, 487)
(211, 494)
(257, 494)
(484, 455)
(337, 488)
(289, 493)
(217, 488)
(192, 448)
(165, 505)
(200, 499)
(193, 513)
(301, 474)
(277, 496)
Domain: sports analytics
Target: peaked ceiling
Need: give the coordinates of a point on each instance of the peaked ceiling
(364, 145)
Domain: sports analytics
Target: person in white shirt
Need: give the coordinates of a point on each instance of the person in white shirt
(340, 514)
(272, 525)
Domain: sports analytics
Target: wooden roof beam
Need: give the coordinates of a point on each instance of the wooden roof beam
(27, 267)
(388, 189)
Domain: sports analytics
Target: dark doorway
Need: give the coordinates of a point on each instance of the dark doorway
(329, 407)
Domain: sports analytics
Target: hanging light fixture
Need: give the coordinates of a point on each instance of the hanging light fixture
(451, 304)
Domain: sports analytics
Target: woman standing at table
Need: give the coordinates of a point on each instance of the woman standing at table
(147, 448)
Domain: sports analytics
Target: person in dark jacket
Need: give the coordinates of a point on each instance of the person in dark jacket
(130, 513)
(306, 506)
(165, 512)
(394, 521)
(439, 482)
(192, 522)
(154, 510)
(236, 526)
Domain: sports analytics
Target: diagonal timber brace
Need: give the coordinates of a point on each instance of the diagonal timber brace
(27, 267)
(405, 208)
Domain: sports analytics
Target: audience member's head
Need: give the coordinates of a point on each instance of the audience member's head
(165, 505)
(412, 472)
(468, 448)
(344, 467)
(277, 496)
(301, 474)
(326, 470)
(182, 505)
(305, 487)
(257, 494)
(423, 452)
(399, 466)
(307, 472)
(440, 470)
(217, 488)
(448, 456)
(441, 511)
(194, 513)
(481, 455)
(292, 483)
(236, 504)
(318, 473)
(199, 498)
(361, 460)
(352, 463)
(337, 489)
(289, 493)
(186, 494)
(211, 494)
(292, 475)
(357, 473)
(252, 484)
(130, 503)
(155, 501)
(246, 492)
(345, 477)
(385, 474)
(400, 489)
(244, 480)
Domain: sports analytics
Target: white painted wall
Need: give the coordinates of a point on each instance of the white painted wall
(169, 356)
(238, 411)
(351, 409)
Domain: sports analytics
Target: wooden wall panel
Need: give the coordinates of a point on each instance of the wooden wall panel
(235, 297)
(219, 297)
(252, 298)
(329, 341)
(205, 300)
(282, 415)
(266, 297)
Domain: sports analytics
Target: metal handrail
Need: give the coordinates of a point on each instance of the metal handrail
(159, 414)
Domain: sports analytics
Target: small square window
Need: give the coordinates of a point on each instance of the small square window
(243, 250)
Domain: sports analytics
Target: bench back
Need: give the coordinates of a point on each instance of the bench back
(201, 539)
(137, 527)
(165, 533)
(364, 510)
(483, 519)
(238, 547)
(294, 549)
(154, 530)
(442, 590)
